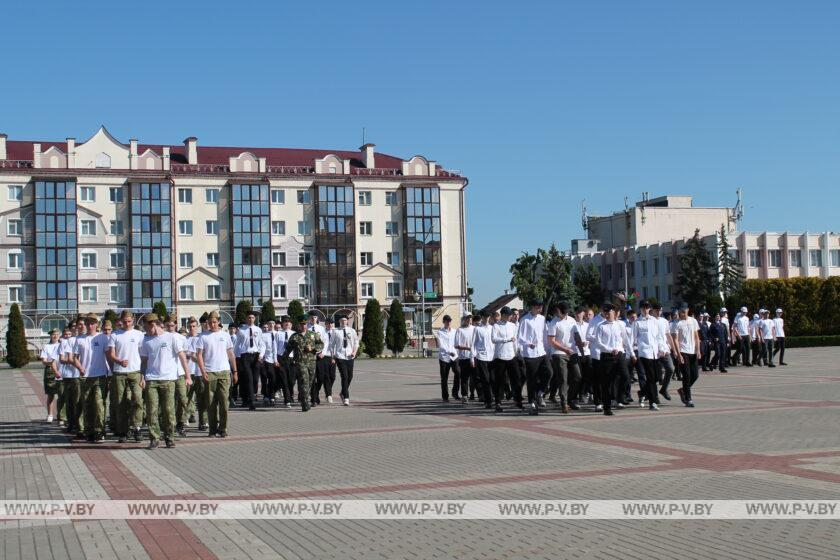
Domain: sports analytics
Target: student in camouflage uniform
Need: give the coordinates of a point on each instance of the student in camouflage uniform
(304, 347)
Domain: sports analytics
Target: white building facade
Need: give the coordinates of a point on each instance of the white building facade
(102, 224)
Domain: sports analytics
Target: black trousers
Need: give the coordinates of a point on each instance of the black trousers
(537, 376)
(566, 377)
(248, 376)
(323, 367)
(706, 350)
(757, 351)
(507, 376)
(610, 364)
(445, 368)
(767, 351)
(465, 377)
(690, 374)
(651, 369)
(780, 348)
(282, 377)
(484, 373)
(345, 371)
(269, 380)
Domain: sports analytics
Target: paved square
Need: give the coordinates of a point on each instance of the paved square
(755, 434)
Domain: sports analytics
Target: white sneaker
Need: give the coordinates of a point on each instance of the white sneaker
(49, 418)
(346, 402)
(599, 407)
(653, 406)
(329, 399)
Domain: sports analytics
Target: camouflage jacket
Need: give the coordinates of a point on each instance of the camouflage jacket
(305, 346)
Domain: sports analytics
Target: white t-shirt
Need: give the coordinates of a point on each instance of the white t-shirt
(68, 371)
(161, 353)
(685, 329)
(581, 329)
(126, 345)
(214, 347)
(561, 330)
(189, 348)
(182, 344)
(780, 327)
(50, 351)
(91, 353)
(766, 327)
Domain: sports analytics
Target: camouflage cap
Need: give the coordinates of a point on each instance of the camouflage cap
(151, 318)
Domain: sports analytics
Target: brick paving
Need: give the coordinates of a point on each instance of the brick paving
(755, 434)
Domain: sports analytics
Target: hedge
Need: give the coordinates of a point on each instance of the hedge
(811, 305)
(811, 341)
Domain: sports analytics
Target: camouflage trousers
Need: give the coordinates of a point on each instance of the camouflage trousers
(307, 374)
(93, 401)
(126, 402)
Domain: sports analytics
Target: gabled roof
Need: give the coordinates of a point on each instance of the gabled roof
(203, 270)
(499, 302)
(383, 266)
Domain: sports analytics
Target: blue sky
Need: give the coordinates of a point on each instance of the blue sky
(541, 104)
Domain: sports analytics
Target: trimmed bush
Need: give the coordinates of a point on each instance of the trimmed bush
(811, 305)
(17, 354)
(812, 341)
(373, 335)
(396, 335)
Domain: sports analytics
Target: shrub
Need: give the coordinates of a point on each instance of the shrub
(17, 354)
(372, 330)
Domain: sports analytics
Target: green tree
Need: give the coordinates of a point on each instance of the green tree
(110, 315)
(697, 279)
(396, 335)
(295, 309)
(546, 275)
(372, 331)
(17, 354)
(242, 309)
(267, 312)
(159, 309)
(587, 281)
(730, 270)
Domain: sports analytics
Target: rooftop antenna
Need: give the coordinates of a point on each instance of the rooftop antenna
(363, 136)
(739, 208)
(584, 219)
(645, 199)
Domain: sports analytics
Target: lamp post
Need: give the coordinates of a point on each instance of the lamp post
(423, 291)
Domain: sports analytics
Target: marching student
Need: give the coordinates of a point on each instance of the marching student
(755, 338)
(780, 337)
(248, 348)
(582, 358)
(269, 358)
(304, 347)
(687, 336)
(161, 353)
(344, 344)
(561, 341)
(531, 339)
(504, 353)
(705, 341)
(197, 393)
(667, 348)
(52, 375)
(475, 381)
(89, 358)
(767, 331)
(595, 354)
(447, 361)
(719, 336)
(611, 341)
(217, 364)
(326, 378)
(321, 361)
(126, 392)
(465, 373)
(181, 400)
(234, 385)
(646, 335)
(286, 374)
(482, 348)
(742, 331)
(71, 380)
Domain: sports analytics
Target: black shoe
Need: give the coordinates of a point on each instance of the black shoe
(488, 406)
(499, 408)
(782, 363)
(608, 412)
(472, 397)
(252, 407)
(306, 407)
(99, 438)
(182, 432)
(211, 433)
(169, 443)
(202, 427)
(192, 418)
(574, 406)
(665, 394)
(724, 371)
(772, 365)
(520, 406)
(445, 399)
(154, 444)
(137, 437)
(223, 434)
(122, 439)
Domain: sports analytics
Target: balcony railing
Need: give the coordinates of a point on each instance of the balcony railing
(15, 164)
(376, 171)
(199, 168)
(291, 169)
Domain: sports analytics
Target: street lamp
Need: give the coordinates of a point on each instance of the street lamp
(423, 291)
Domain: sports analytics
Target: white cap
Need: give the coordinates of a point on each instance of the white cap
(779, 310)
(723, 310)
(744, 310)
(755, 316)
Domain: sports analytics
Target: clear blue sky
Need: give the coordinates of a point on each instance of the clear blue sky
(541, 104)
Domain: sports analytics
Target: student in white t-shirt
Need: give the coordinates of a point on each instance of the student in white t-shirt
(72, 385)
(89, 358)
(126, 394)
(52, 376)
(216, 361)
(198, 390)
(687, 338)
(779, 346)
(160, 355)
(182, 402)
(767, 335)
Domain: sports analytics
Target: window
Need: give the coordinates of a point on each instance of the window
(392, 228)
(774, 258)
(609, 271)
(303, 197)
(214, 292)
(278, 196)
(364, 198)
(644, 269)
(212, 227)
(185, 227)
(87, 194)
(88, 227)
(211, 196)
(367, 258)
(668, 266)
(631, 269)
(185, 196)
(391, 198)
(735, 255)
(620, 270)
(15, 227)
(115, 194)
(670, 292)
(15, 294)
(393, 258)
(117, 293)
(365, 228)
(88, 260)
(304, 228)
(815, 257)
(116, 227)
(393, 289)
(305, 259)
(15, 259)
(186, 292)
(367, 290)
(304, 290)
(89, 294)
(754, 257)
(795, 258)
(278, 227)
(835, 257)
(213, 260)
(656, 292)
(644, 292)
(656, 267)
(15, 192)
(278, 291)
(278, 258)
(185, 260)
(117, 257)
